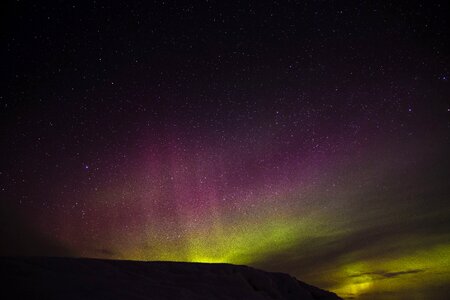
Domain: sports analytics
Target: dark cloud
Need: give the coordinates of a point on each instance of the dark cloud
(106, 252)
(321, 254)
(386, 274)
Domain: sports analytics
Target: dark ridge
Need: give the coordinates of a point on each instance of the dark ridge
(82, 278)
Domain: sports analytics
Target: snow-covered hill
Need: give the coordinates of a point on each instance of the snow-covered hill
(79, 278)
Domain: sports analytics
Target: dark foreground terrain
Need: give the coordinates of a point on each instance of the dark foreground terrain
(77, 278)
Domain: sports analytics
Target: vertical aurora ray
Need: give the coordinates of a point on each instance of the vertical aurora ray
(343, 222)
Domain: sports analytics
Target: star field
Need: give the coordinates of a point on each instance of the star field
(306, 138)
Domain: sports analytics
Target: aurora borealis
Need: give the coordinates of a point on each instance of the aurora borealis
(308, 138)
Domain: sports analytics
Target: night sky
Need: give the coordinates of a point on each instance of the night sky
(308, 138)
